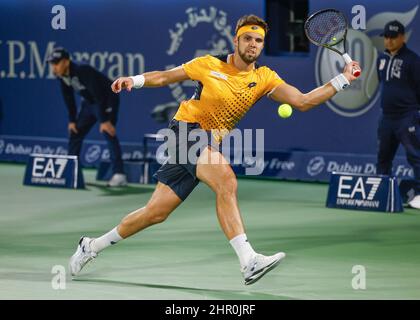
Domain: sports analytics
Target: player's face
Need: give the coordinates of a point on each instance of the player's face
(394, 44)
(61, 68)
(249, 46)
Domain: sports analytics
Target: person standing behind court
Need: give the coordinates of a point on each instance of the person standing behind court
(399, 74)
(98, 103)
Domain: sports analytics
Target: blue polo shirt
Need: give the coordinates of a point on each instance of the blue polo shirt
(400, 80)
(93, 86)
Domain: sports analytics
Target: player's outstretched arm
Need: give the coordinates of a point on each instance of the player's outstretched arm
(150, 79)
(286, 93)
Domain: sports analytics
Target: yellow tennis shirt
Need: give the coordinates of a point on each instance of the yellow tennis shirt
(224, 93)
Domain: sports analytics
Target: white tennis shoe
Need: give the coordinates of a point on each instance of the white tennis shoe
(82, 256)
(117, 180)
(259, 265)
(415, 202)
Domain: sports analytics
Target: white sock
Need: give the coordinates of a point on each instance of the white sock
(243, 249)
(99, 244)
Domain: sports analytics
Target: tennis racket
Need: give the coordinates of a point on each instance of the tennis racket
(328, 28)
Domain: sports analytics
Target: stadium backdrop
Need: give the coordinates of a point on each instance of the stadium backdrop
(142, 36)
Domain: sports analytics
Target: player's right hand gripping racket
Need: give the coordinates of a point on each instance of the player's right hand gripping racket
(328, 28)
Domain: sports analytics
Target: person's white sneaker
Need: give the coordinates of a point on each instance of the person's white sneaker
(82, 256)
(415, 202)
(259, 265)
(117, 180)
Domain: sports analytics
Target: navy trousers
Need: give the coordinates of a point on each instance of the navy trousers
(87, 117)
(392, 132)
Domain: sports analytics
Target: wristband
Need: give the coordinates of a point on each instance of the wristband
(340, 82)
(138, 81)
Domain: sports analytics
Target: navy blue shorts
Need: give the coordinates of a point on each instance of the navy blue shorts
(181, 176)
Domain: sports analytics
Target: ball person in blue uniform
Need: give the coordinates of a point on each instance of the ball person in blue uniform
(99, 103)
(399, 73)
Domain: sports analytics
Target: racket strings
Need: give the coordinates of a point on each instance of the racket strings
(326, 28)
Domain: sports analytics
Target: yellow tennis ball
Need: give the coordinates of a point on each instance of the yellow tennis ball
(285, 110)
(334, 39)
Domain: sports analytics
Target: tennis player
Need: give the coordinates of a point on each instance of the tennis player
(227, 87)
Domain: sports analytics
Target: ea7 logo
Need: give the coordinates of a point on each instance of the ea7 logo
(50, 167)
(347, 188)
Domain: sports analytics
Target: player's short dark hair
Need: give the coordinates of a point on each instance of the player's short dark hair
(250, 20)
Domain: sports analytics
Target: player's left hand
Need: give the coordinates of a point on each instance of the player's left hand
(108, 128)
(348, 70)
(122, 83)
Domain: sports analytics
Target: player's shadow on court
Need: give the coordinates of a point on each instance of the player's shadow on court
(207, 293)
(121, 191)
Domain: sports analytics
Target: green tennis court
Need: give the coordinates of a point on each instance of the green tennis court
(188, 257)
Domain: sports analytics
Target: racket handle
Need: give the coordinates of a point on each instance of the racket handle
(356, 72)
